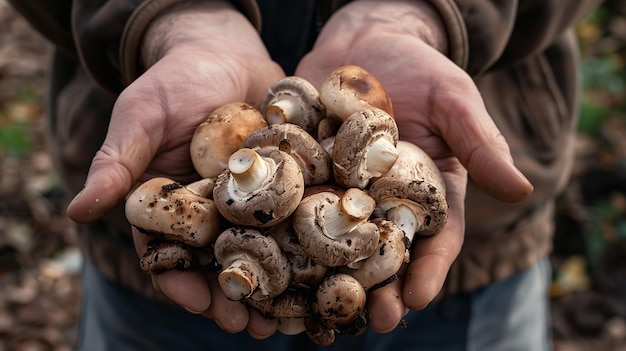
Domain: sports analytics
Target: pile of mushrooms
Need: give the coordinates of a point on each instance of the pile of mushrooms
(310, 203)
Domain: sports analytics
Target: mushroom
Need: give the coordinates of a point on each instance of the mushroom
(258, 189)
(328, 127)
(392, 251)
(253, 267)
(305, 272)
(339, 303)
(293, 100)
(313, 160)
(415, 164)
(350, 89)
(334, 230)
(168, 210)
(221, 134)
(165, 255)
(318, 333)
(416, 206)
(290, 308)
(364, 147)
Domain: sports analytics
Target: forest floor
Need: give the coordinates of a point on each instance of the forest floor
(39, 259)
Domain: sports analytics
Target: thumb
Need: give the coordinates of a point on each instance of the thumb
(123, 157)
(474, 138)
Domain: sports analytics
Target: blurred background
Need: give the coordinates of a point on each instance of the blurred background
(39, 259)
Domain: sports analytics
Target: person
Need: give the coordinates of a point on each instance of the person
(488, 88)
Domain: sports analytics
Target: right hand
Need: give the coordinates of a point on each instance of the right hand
(206, 55)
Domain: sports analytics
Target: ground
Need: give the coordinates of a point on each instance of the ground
(39, 260)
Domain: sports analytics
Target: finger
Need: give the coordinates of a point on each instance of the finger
(129, 146)
(386, 308)
(473, 137)
(231, 316)
(189, 289)
(259, 326)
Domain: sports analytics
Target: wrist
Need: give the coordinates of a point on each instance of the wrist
(189, 24)
(410, 17)
(157, 26)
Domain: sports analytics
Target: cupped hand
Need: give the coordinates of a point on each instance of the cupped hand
(212, 56)
(437, 107)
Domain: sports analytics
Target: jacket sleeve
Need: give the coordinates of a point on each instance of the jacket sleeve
(487, 33)
(104, 35)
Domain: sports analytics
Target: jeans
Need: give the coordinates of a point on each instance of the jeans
(509, 315)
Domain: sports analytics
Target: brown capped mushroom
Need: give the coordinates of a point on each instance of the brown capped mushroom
(221, 134)
(364, 148)
(339, 304)
(253, 267)
(166, 209)
(416, 206)
(415, 164)
(350, 89)
(391, 253)
(165, 255)
(334, 230)
(290, 308)
(313, 160)
(258, 189)
(293, 100)
(305, 272)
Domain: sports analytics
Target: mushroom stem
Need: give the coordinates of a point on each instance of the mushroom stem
(343, 216)
(380, 157)
(282, 111)
(239, 280)
(291, 325)
(405, 218)
(250, 171)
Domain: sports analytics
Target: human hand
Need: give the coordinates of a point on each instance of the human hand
(437, 107)
(201, 55)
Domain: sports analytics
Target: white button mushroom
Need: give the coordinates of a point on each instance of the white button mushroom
(253, 267)
(166, 209)
(221, 134)
(258, 189)
(293, 100)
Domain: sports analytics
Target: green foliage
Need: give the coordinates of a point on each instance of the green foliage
(14, 140)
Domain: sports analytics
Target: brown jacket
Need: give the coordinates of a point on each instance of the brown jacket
(521, 53)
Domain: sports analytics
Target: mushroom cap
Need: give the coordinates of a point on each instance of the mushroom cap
(294, 100)
(221, 134)
(391, 253)
(165, 255)
(259, 248)
(314, 161)
(291, 303)
(352, 147)
(346, 249)
(351, 88)
(339, 301)
(164, 208)
(319, 334)
(429, 202)
(415, 164)
(273, 202)
(305, 271)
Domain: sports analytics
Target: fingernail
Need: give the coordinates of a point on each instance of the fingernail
(191, 310)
